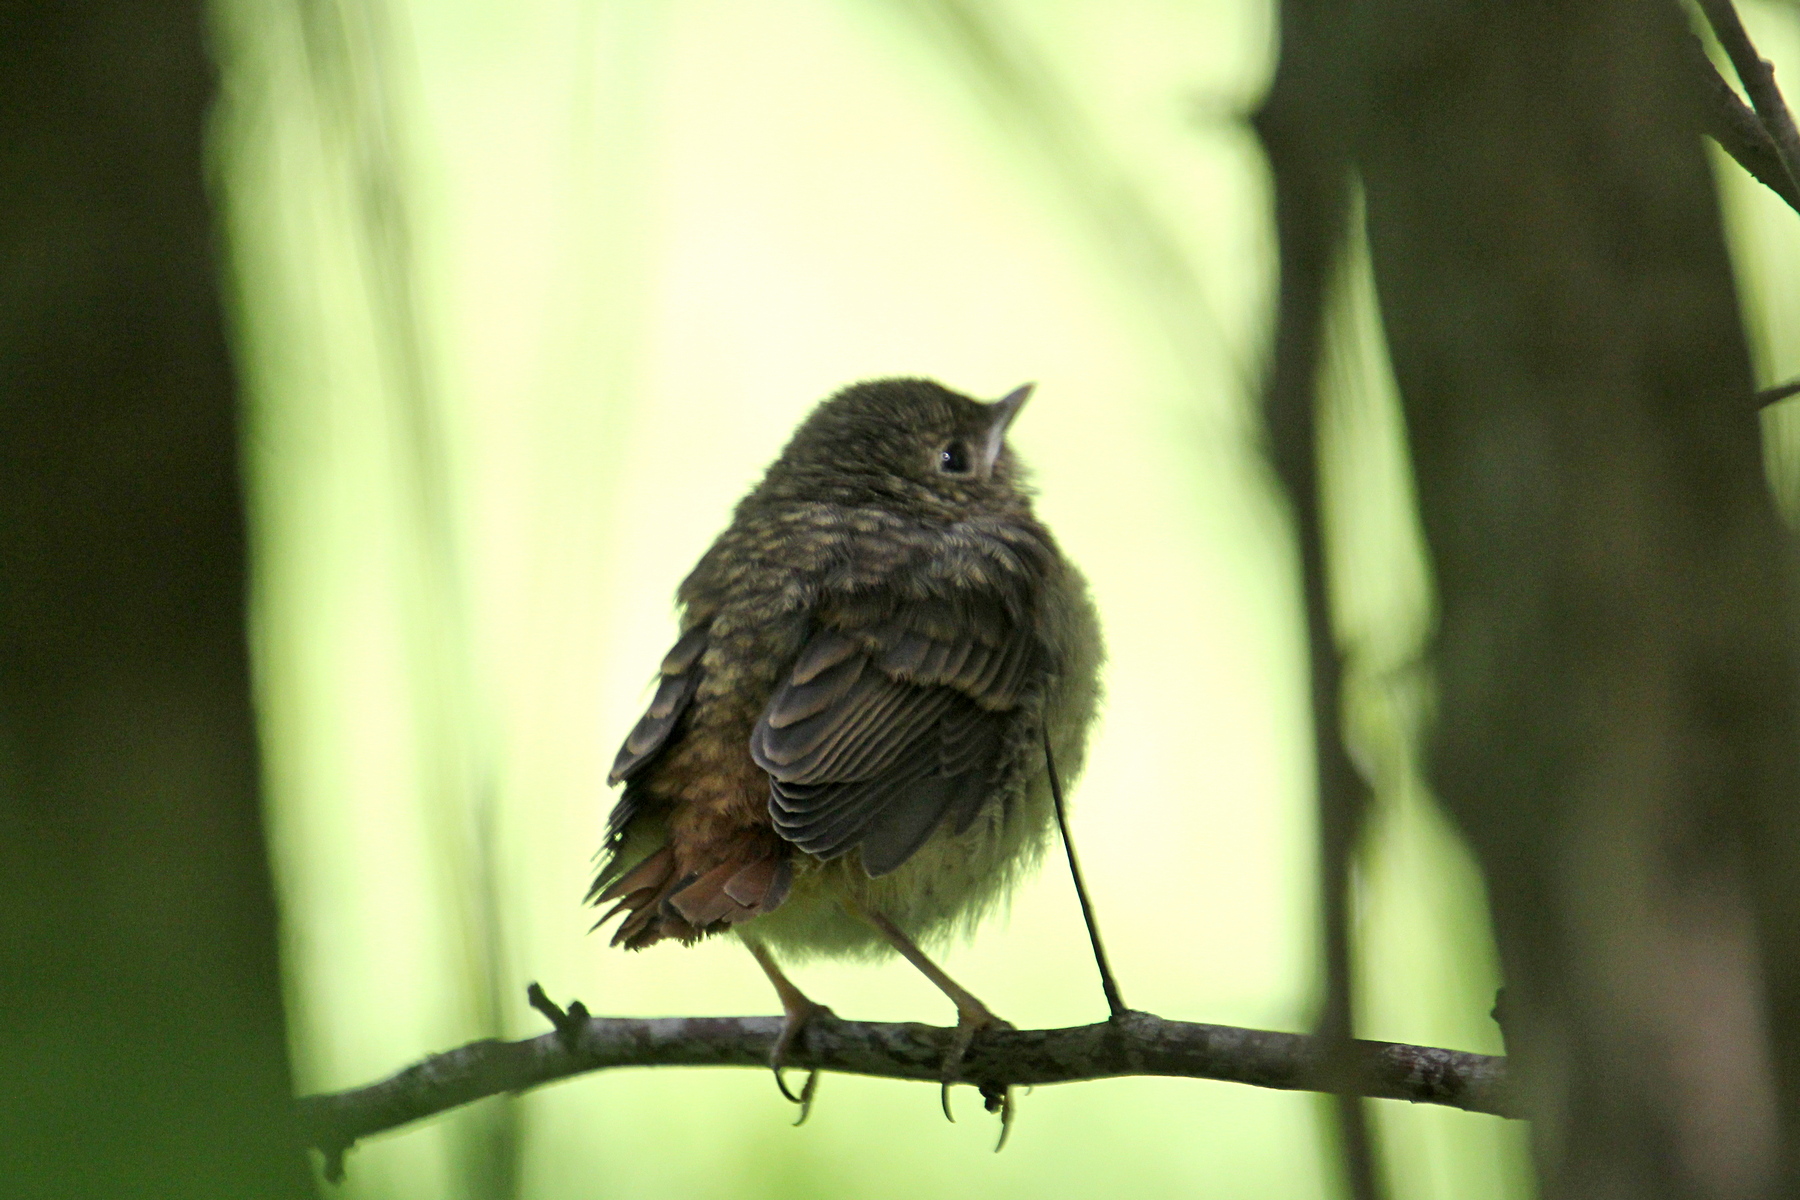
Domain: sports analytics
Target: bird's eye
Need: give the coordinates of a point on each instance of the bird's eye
(954, 459)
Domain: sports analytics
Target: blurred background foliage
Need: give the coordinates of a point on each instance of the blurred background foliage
(528, 294)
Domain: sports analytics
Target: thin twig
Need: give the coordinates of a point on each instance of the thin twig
(1737, 129)
(1769, 396)
(1758, 78)
(1114, 1001)
(1135, 1044)
(570, 1022)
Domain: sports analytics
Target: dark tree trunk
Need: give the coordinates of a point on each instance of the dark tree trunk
(141, 1037)
(1616, 661)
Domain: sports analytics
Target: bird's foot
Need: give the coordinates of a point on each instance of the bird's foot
(799, 1011)
(998, 1098)
(973, 1018)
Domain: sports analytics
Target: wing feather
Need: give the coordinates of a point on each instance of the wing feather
(803, 699)
(674, 692)
(891, 723)
(681, 671)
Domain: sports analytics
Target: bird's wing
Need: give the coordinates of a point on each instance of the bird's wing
(680, 679)
(674, 692)
(891, 720)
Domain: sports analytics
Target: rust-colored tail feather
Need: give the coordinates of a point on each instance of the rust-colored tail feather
(745, 878)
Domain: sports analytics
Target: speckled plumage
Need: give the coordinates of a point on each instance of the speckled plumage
(854, 712)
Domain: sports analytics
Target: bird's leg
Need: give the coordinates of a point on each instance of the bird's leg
(972, 1017)
(797, 1009)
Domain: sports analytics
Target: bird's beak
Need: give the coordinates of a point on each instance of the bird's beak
(1004, 410)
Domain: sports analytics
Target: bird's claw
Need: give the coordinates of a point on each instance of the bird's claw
(998, 1098)
(792, 1026)
(805, 1098)
(968, 1024)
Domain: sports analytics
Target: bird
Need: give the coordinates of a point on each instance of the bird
(848, 751)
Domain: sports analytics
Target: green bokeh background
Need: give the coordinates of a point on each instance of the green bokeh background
(527, 296)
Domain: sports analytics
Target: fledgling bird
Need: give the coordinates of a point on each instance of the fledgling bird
(846, 751)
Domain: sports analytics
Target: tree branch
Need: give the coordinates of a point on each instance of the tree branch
(1136, 1044)
(1758, 78)
(1739, 131)
(1780, 392)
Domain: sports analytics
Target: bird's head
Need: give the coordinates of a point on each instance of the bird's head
(910, 444)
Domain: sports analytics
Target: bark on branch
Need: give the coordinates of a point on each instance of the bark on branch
(1762, 139)
(1136, 1044)
(1738, 130)
(1758, 77)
